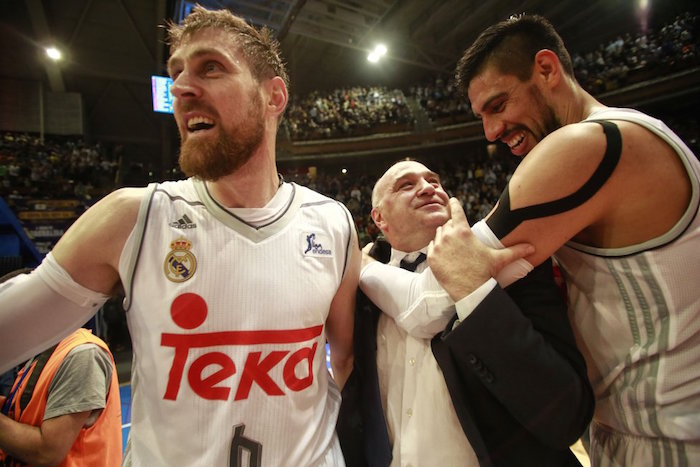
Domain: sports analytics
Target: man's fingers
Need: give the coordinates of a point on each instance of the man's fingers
(456, 211)
(514, 253)
(367, 248)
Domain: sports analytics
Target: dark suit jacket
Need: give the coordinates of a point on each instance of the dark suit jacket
(516, 379)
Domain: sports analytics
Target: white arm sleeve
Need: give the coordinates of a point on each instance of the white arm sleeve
(417, 302)
(515, 270)
(39, 309)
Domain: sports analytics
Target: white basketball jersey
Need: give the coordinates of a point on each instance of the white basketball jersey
(636, 313)
(227, 323)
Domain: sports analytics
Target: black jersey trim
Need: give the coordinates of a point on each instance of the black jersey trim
(504, 220)
(141, 225)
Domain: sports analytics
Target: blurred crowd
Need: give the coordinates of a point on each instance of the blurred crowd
(69, 168)
(630, 58)
(441, 100)
(346, 112)
(57, 167)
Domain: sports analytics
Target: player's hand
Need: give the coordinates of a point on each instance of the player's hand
(460, 261)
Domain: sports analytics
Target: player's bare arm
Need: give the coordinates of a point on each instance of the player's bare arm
(340, 321)
(90, 250)
(72, 282)
(586, 194)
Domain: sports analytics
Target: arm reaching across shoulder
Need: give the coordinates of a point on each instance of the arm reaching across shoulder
(570, 185)
(339, 324)
(39, 309)
(417, 301)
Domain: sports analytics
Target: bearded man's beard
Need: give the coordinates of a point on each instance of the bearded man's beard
(212, 159)
(548, 119)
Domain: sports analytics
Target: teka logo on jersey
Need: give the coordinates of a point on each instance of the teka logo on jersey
(189, 311)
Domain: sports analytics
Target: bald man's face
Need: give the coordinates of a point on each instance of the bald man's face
(409, 205)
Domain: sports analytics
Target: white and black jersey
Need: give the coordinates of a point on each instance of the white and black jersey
(227, 322)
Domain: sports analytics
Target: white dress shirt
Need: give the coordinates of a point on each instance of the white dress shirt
(422, 423)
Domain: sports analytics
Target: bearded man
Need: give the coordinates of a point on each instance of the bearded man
(228, 311)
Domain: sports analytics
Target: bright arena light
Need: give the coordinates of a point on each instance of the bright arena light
(53, 53)
(379, 51)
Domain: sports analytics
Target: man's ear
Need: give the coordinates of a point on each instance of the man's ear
(276, 95)
(378, 219)
(547, 68)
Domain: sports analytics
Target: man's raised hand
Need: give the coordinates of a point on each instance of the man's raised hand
(460, 261)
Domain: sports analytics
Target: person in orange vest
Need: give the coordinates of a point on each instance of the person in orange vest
(64, 407)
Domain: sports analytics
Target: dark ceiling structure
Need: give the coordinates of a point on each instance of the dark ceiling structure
(114, 46)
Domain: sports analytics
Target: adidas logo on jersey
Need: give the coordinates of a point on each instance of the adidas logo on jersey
(183, 223)
(314, 245)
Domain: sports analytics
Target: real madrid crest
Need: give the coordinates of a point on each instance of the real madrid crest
(180, 263)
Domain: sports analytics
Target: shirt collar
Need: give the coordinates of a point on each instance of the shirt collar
(398, 255)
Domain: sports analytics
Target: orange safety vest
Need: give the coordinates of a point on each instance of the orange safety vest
(101, 443)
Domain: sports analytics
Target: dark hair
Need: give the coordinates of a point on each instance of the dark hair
(511, 46)
(259, 47)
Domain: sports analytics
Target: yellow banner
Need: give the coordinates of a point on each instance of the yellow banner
(34, 215)
(52, 203)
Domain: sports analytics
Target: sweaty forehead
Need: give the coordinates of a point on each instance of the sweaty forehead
(408, 169)
(206, 41)
(402, 170)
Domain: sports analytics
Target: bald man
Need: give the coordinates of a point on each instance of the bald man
(505, 385)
